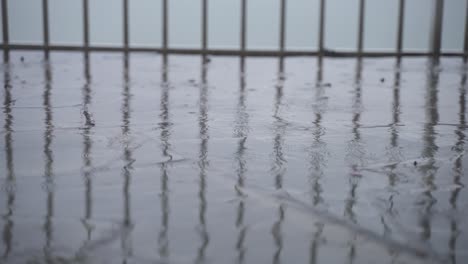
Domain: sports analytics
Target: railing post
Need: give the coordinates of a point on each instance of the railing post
(164, 25)
(125, 24)
(243, 25)
(401, 21)
(466, 33)
(322, 27)
(362, 4)
(204, 25)
(6, 38)
(5, 22)
(437, 27)
(282, 25)
(45, 22)
(85, 24)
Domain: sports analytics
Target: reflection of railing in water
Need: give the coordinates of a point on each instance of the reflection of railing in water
(318, 159)
(435, 41)
(429, 151)
(458, 167)
(10, 184)
(355, 150)
(165, 126)
(355, 154)
(203, 163)
(279, 162)
(87, 147)
(49, 179)
(203, 125)
(241, 129)
(128, 161)
(316, 242)
(394, 155)
(318, 150)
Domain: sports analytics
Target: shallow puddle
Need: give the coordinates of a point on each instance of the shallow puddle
(140, 158)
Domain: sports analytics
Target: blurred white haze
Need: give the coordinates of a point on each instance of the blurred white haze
(224, 23)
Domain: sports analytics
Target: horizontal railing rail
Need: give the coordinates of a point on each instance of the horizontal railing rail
(435, 40)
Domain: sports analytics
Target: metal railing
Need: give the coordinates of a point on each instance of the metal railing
(435, 41)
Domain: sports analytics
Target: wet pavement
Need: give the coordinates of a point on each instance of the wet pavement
(140, 158)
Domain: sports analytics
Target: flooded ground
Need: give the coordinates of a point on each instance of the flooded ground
(110, 158)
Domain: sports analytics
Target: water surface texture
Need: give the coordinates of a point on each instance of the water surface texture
(140, 158)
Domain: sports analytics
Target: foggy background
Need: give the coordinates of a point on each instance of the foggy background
(66, 23)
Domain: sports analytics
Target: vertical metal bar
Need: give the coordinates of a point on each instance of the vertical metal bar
(437, 27)
(204, 24)
(282, 25)
(401, 21)
(125, 24)
(466, 32)
(243, 24)
(6, 38)
(322, 26)
(164, 25)
(5, 22)
(45, 22)
(85, 24)
(362, 4)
